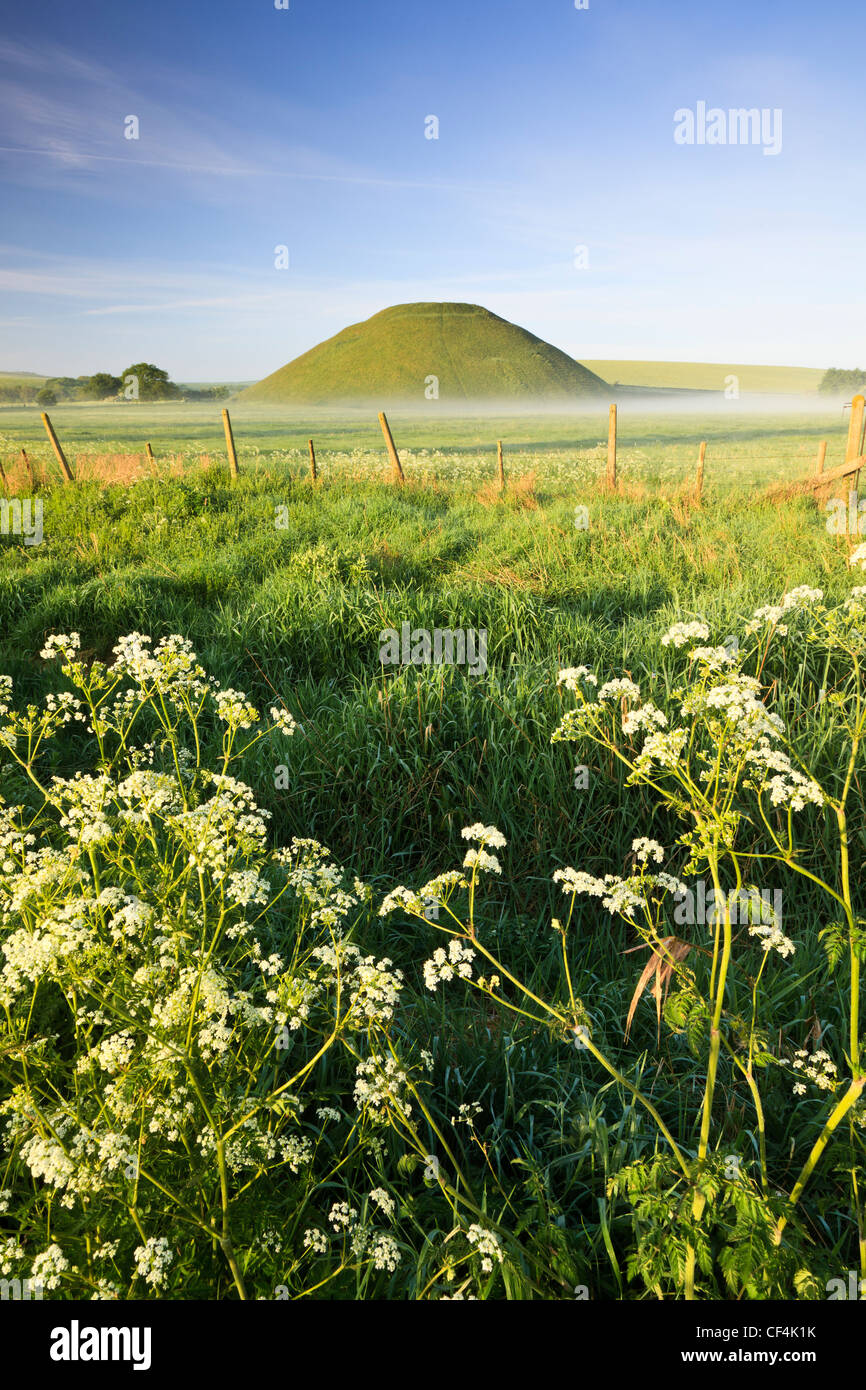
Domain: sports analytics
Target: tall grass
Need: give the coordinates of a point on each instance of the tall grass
(387, 766)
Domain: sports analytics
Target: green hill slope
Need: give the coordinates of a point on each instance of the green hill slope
(473, 354)
(710, 376)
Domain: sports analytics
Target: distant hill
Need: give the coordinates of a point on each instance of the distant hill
(710, 376)
(394, 356)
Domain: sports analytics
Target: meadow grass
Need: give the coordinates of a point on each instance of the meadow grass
(387, 766)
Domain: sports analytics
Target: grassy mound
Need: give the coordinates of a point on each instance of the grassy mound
(393, 356)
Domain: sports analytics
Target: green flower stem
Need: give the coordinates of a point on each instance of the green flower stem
(759, 1110)
(850, 1098)
(854, 1015)
(700, 1200)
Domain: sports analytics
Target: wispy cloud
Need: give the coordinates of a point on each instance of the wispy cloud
(77, 125)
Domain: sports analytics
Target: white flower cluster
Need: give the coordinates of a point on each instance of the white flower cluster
(113, 1054)
(618, 690)
(86, 802)
(681, 633)
(253, 1147)
(48, 1267)
(443, 967)
(618, 895)
(440, 888)
(44, 950)
(647, 849)
(768, 616)
(644, 717)
(227, 827)
(381, 1085)
(246, 886)
(773, 772)
(480, 859)
(771, 614)
(61, 644)
(772, 938)
(78, 1161)
(486, 1244)
(145, 794)
(485, 835)
(152, 1261)
(316, 1241)
(342, 1216)
(319, 883)
(713, 658)
(379, 1247)
(570, 676)
(384, 1252)
(282, 720)
(171, 668)
(405, 899)
(235, 709)
(801, 597)
(63, 706)
(734, 709)
(11, 1254)
(370, 988)
(383, 1200)
(662, 750)
(818, 1068)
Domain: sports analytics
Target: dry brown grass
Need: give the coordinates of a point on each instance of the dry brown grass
(111, 468)
(489, 494)
(785, 492)
(20, 480)
(660, 968)
(520, 490)
(629, 491)
(523, 490)
(120, 469)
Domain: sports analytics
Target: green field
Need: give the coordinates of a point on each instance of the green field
(655, 450)
(22, 379)
(710, 376)
(284, 591)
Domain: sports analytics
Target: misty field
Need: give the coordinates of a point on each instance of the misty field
(657, 447)
(420, 1067)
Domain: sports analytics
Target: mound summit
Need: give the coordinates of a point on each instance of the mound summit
(472, 354)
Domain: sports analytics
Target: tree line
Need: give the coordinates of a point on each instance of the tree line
(141, 382)
(841, 382)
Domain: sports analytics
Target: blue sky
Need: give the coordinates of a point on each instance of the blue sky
(305, 127)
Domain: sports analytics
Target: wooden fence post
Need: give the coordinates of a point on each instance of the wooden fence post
(151, 460)
(501, 462)
(29, 466)
(313, 472)
(392, 447)
(822, 455)
(230, 445)
(611, 449)
(855, 429)
(61, 457)
(3, 476)
(699, 481)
